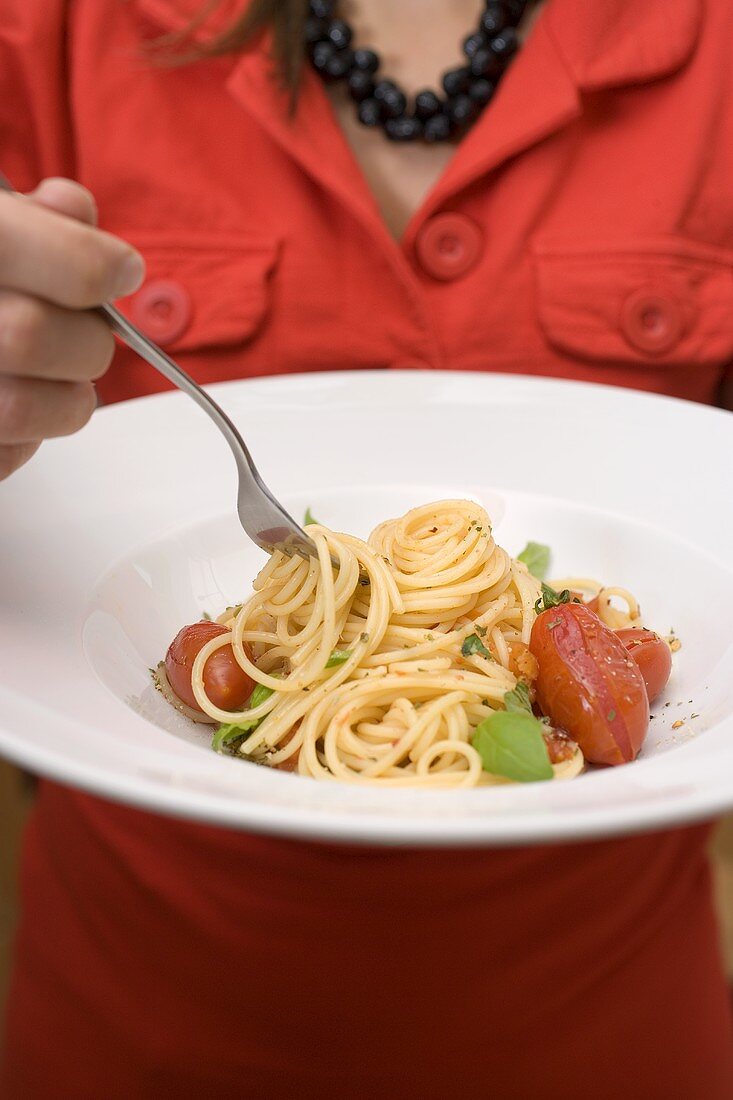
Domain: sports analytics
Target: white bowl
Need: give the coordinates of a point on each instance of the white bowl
(115, 538)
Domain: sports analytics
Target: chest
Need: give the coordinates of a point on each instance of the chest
(399, 177)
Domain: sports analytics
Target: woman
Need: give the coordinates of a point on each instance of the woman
(577, 222)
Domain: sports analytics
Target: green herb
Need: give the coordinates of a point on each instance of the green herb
(551, 598)
(611, 715)
(338, 657)
(511, 744)
(536, 556)
(224, 735)
(229, 731)
(517, 701)
(259, 695)
(480, 630)
(309, 518)
(473, 644)
(206, 616)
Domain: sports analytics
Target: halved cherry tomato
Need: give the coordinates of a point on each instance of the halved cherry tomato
(226, 683)
(588, 684)
(652, 655)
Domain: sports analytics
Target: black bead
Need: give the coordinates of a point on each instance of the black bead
(485, 63)
(472, 43)
(366, 60)
(361, 85)
(382, 87)
(315, 29)
(339, 33)
(370, 112)
(461, 110)
(322, 9)
(506, 44)
(427, 104)
(481, 91)
(494, 19)
(338, 66)
(394, 102)
(456, 81)
(436, 128)
(322, 54)
(402, 129)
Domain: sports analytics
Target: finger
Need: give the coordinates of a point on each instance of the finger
(39, 340)
(61, 260)
(66, 197)
(15, 456)
(32, 408)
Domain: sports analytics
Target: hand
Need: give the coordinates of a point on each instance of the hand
(54, 266)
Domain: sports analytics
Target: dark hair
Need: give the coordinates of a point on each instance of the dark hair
(285, 18)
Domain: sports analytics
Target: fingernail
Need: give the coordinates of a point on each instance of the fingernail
(130, 275)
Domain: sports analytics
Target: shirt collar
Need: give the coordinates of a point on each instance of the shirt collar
(608, 43)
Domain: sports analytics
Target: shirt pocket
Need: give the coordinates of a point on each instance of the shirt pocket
(660, 301)
(204, 291)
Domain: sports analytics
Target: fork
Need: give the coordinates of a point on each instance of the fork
(262, 516)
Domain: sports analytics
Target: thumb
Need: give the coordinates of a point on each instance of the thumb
(66, 197)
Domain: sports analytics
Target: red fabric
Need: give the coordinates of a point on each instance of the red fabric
(157, 958)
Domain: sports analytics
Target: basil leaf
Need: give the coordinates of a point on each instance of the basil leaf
(338, 657)
(512, 745)
(227, 732)
(517, 701)
(551, 598)
(259, 695)
(473, 644)
(536, 556)
(309, 518)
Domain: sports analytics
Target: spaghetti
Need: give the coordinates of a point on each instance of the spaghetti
(380, 670)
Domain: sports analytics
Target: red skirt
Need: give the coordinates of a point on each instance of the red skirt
(163, 959)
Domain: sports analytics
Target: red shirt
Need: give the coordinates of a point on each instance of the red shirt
(584, 229)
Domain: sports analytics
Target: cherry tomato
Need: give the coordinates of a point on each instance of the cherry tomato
(588, 684)
(226, 683)
(652, 655)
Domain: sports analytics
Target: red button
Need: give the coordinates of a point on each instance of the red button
(651, 320)
(162, 309)
(448, 246)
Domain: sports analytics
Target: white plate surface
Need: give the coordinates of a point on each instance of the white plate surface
(113, 539)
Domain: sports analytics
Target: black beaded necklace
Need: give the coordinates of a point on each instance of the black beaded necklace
(383, 103)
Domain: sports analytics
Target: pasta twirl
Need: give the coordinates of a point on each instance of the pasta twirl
(381, 669)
